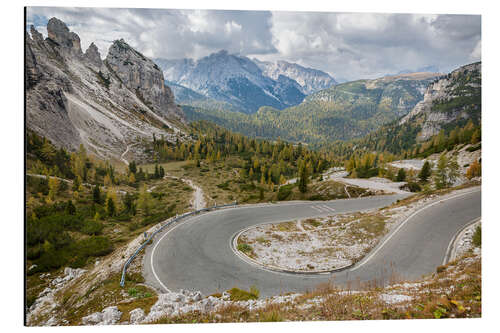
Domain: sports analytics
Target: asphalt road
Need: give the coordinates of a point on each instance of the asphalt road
(196, 254)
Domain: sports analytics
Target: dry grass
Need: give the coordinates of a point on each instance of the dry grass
(453, 293)
(221, 183)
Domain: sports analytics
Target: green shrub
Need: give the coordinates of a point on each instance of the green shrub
(133, 292)
(473, 148)
(244, 248)
(316, 197)
(476, 237)
(33, 253)
(223, 186)
(94, 246)
(284, 192)
(134, 226)
(237, 294)
(30, 299)
(247, 187)
(91, 227)
(413, 187)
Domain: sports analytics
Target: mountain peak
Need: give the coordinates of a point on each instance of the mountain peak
(93, 56)
(72, 99)
(59, 32)
(143, 76)
(222, 52)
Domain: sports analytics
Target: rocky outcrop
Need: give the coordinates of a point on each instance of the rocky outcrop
(93, 56)
(310, 80)
(67, 40)
(176, 303)
(45, 302)
(109, 316)
(451, 98)
(136, 316)
(73, 98)
(142, 76)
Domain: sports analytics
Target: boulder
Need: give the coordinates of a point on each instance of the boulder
(136, 316)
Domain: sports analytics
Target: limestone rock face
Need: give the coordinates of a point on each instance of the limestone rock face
(461, 88)
(109, 316)
(93, 56)
(74, 98)
(136, 316)
(142, 76)
(68, 40)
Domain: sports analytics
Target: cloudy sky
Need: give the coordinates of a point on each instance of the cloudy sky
(347, 45)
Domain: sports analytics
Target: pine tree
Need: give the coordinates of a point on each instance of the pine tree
(440, 176)
(303, 178)
(476, 136)
(76, 183)
(453, 171)
(131, 179)
(425, 172)
(157, 172)
(401, 175)
(144, 201)
(70, 208)
(128, 202)
(107, 180)
(132, 167)
(96, 194)
(53, 187)
(111, 203)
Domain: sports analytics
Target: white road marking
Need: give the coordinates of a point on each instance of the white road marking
(317, 208)
(448, 256)
(158, 242)
(328, 208)
(364, 261)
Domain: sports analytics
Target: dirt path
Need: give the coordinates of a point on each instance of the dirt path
(198, 201)
(122, 157)
(374, 183)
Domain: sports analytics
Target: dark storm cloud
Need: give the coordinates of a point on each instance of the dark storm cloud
(346, 45)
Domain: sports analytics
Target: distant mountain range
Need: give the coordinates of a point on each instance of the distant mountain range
(243, 83)
(450, 102)
(341, 112)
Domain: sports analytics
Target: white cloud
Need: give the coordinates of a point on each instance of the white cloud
(231, 27)
(476, 53)
(347, 45)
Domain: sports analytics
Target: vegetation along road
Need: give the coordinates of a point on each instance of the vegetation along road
(197, 254)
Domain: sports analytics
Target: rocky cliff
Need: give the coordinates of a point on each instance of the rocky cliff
(310, 80)
(143, 76)
(75, 98)
(451, 99)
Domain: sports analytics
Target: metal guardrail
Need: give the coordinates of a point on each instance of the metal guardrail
(149, 239)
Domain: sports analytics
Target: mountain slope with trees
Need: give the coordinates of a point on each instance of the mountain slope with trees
(450, 114)
(342, 112)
